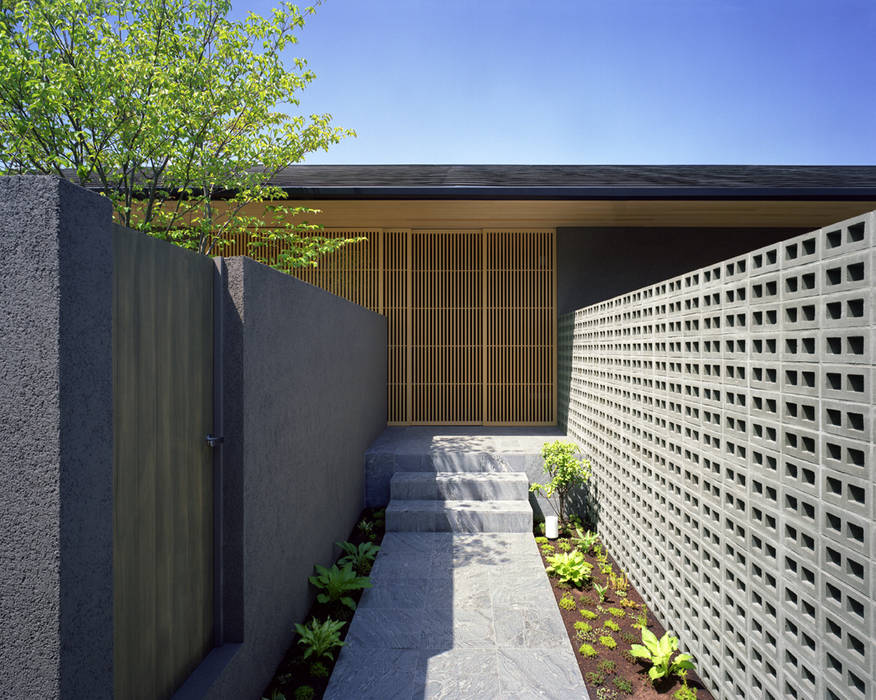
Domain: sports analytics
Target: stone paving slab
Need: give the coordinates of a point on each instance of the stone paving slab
(457, 616)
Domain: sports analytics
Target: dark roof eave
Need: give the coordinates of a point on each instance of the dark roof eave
(585, 193)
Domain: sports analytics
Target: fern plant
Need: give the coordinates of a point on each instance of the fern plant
(659, 653)
(569, 567)
(319, 639)
(361, 557)
(337, 583)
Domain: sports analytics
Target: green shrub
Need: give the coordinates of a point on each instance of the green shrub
(318, 670)
(320, 638)
(607, 642)
(569, 567)
(595, 678)
(587, 651)
(659, 653)
(616, 612)
(588, 614)
(607, 666)
(623, 685)
(361, 557)
(304, 692)
(585, 540)
(685, 692)
(567, 602)
(611, 625)
(583, 628)
(337, 583)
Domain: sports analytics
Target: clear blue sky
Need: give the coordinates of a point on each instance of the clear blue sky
(586, 81)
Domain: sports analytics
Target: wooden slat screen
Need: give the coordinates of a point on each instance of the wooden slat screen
(519, 311)
(471, 319)
(447, 332)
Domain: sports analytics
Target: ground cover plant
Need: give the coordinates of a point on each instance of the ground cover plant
(622, 650)
(307, 666)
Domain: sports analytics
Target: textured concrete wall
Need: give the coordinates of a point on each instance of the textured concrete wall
(597, 263)
(305, 394)
(56, 452)
(729, 416)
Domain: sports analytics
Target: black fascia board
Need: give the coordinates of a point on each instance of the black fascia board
(850, 194)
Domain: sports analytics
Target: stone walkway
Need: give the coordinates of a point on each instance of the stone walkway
(457, 616)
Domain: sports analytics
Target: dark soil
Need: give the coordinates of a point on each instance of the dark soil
(294, 672)
(625, 667)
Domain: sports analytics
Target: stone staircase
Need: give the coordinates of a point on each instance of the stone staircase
(459, 502)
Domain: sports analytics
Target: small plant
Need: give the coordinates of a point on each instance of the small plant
(623, 685)
(276, 695)
(642, 618)
(565, 470)
(611, 625)
(582, 629)
(304, 692)
(659, 653)
(607, 667)
(361, 557)
(685, 692)
(585, 540)
(601, 590)
(319, 670)
(595, 678)
(628, 637)
(541, 527)
(621, 584)
(569, 567)
(337, 583)
(628, 603)
(597, 550)
(541, 540)
(564, 545)
(607, 642)
(607, 570)
(617, 612)
(567, 602)
(366, 527)
(587, 614)
(587, 651)
(320, 638)
(605, 693)
(547, 549)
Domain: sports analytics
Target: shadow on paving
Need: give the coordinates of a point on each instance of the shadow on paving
(454, 615)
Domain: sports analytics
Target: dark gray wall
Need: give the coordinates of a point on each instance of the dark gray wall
(56, 452)
(596, 263)
(304, 396)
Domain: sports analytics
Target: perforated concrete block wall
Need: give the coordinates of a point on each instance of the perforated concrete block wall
(728, 414)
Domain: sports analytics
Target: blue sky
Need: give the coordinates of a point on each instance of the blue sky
(609, 81)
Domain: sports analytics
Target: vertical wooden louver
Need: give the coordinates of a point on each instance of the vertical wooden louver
(471, 319)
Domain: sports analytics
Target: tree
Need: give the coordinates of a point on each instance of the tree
(566, 472)
(169, 108)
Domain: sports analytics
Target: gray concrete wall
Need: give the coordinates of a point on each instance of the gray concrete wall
(596, 263)
(56, 455)
(729, 415)
(304, 395)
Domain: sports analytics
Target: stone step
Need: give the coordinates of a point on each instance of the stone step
(380, 467)
(479, 486)
(458, 516)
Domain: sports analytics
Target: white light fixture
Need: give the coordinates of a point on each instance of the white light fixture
(551, 527)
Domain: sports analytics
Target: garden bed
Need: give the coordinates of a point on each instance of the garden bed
(610, 671)
(297, 678)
